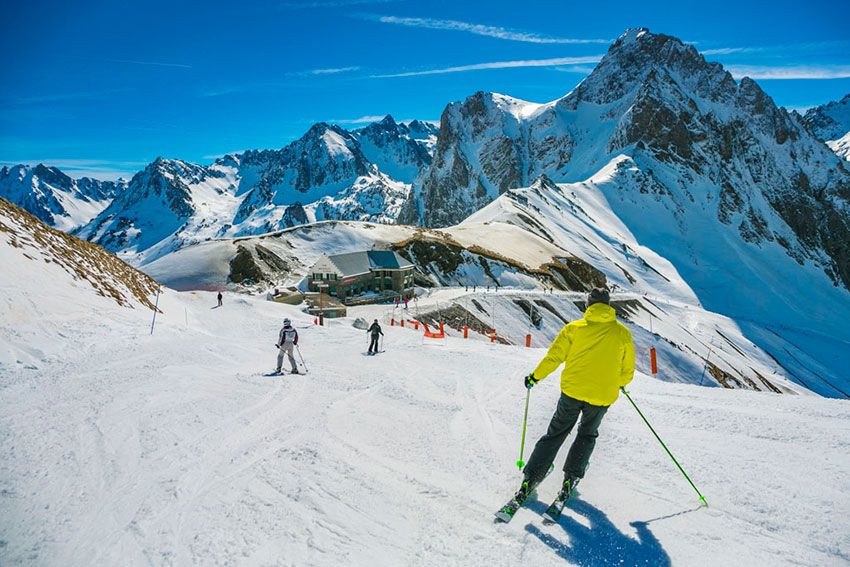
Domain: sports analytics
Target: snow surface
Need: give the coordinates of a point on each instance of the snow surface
(118, 447)
(841, 146)
(689, 256)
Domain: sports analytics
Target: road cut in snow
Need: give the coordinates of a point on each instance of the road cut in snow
(118, 447)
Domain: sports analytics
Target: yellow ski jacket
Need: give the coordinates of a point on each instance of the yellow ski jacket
(598, 356)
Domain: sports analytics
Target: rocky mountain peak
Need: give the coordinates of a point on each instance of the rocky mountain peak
(829, 121)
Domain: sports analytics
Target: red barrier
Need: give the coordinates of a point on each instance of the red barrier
(416, 325)
(493, 336)
(430, 335)
(442, 330)
(465, 332)
(528, 341)
(316, 321)
(402, 322)
(653, 360)
(392, 322)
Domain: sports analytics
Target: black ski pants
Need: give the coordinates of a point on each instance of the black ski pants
(373, 346)
(566, 414)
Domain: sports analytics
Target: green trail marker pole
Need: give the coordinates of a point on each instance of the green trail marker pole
(520, 463)
(640, 413)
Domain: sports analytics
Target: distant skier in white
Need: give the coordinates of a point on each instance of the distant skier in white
(287, 339)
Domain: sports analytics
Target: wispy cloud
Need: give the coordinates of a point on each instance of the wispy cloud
(584, 69)
(131, 61)
(766, 72)
(331, 3)
(98, 169)
(477, 29)
(150, 63)
(333, 70)
(555, 62)
(361, 120)
(730, 50)
(781, 49)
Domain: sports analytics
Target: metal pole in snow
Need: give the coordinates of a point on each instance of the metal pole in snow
(681, 470)
(155, 308)
(520, 463)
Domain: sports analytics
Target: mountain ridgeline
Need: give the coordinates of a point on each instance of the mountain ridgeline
(328, 174)
(699, 139)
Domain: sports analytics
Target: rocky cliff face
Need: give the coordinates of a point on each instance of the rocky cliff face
(701, 139)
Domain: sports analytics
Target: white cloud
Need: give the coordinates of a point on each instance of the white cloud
(332, 70)
(477, 29)
(790, 72)
(361, 120)
(555, 62)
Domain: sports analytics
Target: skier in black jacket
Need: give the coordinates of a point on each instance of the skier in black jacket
(375, 330)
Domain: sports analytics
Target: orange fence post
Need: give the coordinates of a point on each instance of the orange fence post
(528, 340)
(402, 322)
(653, 360)
(465, 332)
(441, 327)
(392, 322)
(493, 336)
(416, 325)
(316, 321)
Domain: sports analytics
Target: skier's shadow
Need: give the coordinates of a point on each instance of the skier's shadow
(602, 543)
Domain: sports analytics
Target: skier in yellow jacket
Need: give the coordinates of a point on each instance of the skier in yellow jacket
(599, 357)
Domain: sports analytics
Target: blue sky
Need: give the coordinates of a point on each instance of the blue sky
(102, 88)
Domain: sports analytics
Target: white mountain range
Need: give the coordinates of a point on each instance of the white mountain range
(659, 170)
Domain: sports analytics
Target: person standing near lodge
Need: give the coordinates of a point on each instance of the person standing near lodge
(598, 354)
(376, 332)
(286, 341)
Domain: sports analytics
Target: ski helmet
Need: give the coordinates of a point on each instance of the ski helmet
(286, 322)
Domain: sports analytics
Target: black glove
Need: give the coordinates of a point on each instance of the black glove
(530, 381)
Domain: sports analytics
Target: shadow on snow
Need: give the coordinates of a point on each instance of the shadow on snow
(601, 543)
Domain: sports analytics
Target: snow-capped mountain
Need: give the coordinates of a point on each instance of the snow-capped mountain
(831, 123)
(54, 197)
(700, 138)
(323, 175)
(399, 150)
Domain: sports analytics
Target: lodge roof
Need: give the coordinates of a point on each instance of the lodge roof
(356, 263)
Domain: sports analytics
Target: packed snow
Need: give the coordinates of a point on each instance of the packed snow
(118, 446)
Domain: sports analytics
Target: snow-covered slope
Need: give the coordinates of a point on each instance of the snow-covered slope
(121, 447)
(841, 146)
(51, 281)
(534, 277)
(461, 255)
(55, 198)
(621, 222)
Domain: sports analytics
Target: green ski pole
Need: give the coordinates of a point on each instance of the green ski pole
(640, 413)
(520, 463)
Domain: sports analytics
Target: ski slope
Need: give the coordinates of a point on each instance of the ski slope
(118, 447)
